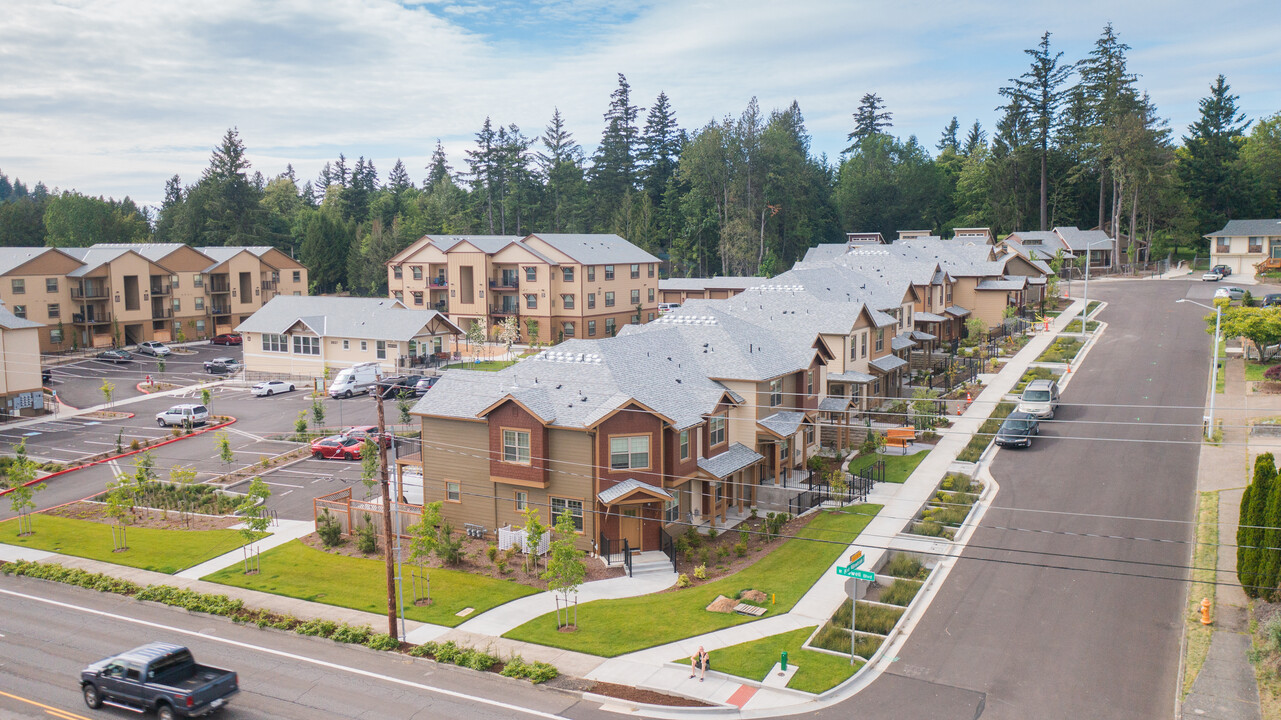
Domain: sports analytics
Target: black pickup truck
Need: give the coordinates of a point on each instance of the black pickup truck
(158, 676)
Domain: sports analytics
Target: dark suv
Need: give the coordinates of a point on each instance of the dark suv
(1223, 270)
(1271, 299)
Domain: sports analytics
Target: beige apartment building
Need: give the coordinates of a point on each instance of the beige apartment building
(20, 382)
(557, 287)
(123, 294)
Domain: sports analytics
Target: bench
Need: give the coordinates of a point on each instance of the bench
(900, 437)
(474, 530)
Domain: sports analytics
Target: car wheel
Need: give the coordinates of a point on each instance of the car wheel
(91, 697)
(315, 455)
(161, 422)
(291, 388)
(165, 712)
(347, 395)
(268, 393)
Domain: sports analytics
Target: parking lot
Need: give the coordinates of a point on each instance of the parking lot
(294, 487)
(79, 383)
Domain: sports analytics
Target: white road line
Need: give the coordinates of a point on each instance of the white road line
(280, 484)
(283, 493)
(300, 658)
(242, 433)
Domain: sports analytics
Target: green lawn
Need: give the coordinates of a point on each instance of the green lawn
(897, 467)
(816, 672)
(297, 571)
(1254, 371)
(1075, 326)
(164, 551)
(1062, 350)
(1220, 377)
(489, 365)
(614, 627)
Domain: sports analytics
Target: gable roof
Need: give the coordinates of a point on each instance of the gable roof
(9, 321)
(12, 258)
(713, 283)
(1077, 239)
(359, 318)
(596, 249)
(1243, 228)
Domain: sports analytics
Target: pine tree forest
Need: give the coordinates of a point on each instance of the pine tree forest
(1076, 143)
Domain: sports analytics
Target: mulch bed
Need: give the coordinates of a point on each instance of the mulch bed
(649, 697)
(757, 548)
(476, 562)
(144, 517)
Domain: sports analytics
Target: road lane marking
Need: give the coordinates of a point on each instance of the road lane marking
(242, 433)
(282, 484)
(281, 653)
(47, 708)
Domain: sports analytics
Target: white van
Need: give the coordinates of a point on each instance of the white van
(355, 379)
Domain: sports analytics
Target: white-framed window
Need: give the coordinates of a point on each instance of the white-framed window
(776, 392)
(275, 343)
(575, 508)
(346, 344)
(863, 340)
(629, 453)
(306, 345)
(516, 447)
(809, 435)
(380, 349)
(55, 311)
(453, 491)
(522, 501)
(567, 301)
(684, 444)
(567, 273)
(672, 510)
(809, 382)
(716, 428)
(880, 339)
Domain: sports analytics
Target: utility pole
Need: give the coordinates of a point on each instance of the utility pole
(386, 493)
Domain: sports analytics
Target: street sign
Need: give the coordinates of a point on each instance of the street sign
(863, 575)
(856, 559)
(849, 588)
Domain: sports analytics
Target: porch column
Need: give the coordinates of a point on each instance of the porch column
(778, 463)
(740, 487)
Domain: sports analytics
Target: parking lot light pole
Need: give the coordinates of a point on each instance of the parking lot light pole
(1214, 357)
(1085, 311)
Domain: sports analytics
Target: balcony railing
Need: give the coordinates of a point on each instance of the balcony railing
(439, 282)
(161, 313)
(504, 283)
(93, 319)
(90, 292)
(269, 285)
(215, 286)
(219, 309)
(441, 307)
(505, 310)
(157, 289)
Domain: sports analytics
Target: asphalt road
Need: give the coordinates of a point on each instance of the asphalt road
(1056, 609)
(282, 676)
(79, 384)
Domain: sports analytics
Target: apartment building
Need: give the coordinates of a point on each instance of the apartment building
(680, 290)
(123, 294)
(556, 286)
(20, 380)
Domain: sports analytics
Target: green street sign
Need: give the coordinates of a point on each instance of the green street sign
(863, 575)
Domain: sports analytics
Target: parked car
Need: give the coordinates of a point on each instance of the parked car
(425, 384)
(1212, 276)
(355, 379)
(1271, 299)
(1223, 270)
(227, 339)
(664, 308)
(1017, 430)
(1230, 292)
(222, 365)
(1040, 399)
(336, 447)
(186, 415)
(46, 375)
(161, 677)
(267, 388)
(360, 432)
(115, 356)
(156, 349)
(399, 386)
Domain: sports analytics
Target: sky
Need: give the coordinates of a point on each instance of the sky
(113, 97)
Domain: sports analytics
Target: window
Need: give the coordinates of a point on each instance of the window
(173, 280)
(274, 343)
(417, 296)
(19, 286)
(684, 444)
(610, 327)
(200, 302)
(880, 339)
(809, 383)
(1222, 245)
(364, 346)
(569, 330)
(635, 271)
(672, 510)
(298, 276)
(609, 299)
(651, 294)
(591, 301)
(609, 272)
(716, 426)
(55, 311)
(591, 273)
(776, 392)
(306, 345)
(567, 274)
(591, 328)
(863, 340)
(399, 295)
(346, 344)
(629, 453)
(1256, 245)
(809, 434)
(55, 336)
(177, 305)
(197, 280)
(380, 349)
(20, 311)
(567, 301)
(636, 319)
(200, 327)
(651, 269)
(522, 501)
(51, 285)
(417, 270)
(575, 508)
(651, 317)
(531, 274)
(531, 301)
(636, 297)
(853, 347)
(453, 492)
(516, 447)
(397, 272)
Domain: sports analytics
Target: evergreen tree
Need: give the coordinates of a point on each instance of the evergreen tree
(870, 119)
(323, 181)
(326, 241)
(1039, 91)
(1250, 532)
(975, 139)
(232, 212)
(561, 166)
(1210, 172)
(949, 141)
(659, 148)
(1268, 567)
(483, 174)
(169, 209)
(342, 174)
(613, 170)
(438, 169)
(398, 181)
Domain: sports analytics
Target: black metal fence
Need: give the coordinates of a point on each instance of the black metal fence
(668, 546)
(612, 551)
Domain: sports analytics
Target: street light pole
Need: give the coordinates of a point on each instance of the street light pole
(1214, 357)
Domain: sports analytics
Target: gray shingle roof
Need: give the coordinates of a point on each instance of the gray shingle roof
(1247, 228)
(956, 311)
(737, 457)
(901, 342)
(926, 317)
(343, 317)
(783, 424)
(922, 336)
(834, 404)
(714, 283)
(93, 258)
(1076, 239)
(597, 249)
(154, 252)
(9, 321)
(487, 243)
(1003, 284)
(888, 363)
(12, 257)
(852, 376)
(610, 494)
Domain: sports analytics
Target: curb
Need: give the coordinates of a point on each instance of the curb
(66, 471)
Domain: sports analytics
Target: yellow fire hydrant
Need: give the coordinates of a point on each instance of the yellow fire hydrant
(1205, 611)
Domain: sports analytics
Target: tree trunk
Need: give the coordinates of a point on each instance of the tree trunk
(1134, 223)
(1100, 199)
(1044, 197)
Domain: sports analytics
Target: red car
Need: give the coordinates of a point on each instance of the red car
(227, 339)
(360, 432)
(336, 447)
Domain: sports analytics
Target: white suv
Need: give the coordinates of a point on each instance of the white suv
(1040, 399)
(185, 415)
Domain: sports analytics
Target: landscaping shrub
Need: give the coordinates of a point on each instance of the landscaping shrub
(1063, 349)
(740, 548)
(328, 529)
(382, 641)
(476, 659)
(977, 444)
(317, 628)
(875, 618)
(71, 576)
(352, 634)
(536, 672)
(366, 539)
(1272, 373)
(683, 581)
(905, 566)
(191, 600)
(900, 592)
(1038, 373)
(700, 572)
(837, 639)
(448, 547)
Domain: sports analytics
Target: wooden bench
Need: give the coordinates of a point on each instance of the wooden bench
(900, 437)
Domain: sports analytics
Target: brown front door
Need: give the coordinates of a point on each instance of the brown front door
(629, 527)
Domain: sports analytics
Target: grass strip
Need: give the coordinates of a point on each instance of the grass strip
(816, 672)
(973, 450)
(897, 467)
(1205, 559)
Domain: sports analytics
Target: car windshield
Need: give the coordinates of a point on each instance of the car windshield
(1037, 395)
(1016, 425)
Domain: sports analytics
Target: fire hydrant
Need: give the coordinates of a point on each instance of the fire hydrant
(1205, 611)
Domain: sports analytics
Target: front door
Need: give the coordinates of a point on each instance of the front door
(629, 527)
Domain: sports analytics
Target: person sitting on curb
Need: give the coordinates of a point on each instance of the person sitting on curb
(699, 661)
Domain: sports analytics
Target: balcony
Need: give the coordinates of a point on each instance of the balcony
(509, 283)
(439, 282)
(93, 319)
(504, 310)
(217, 310)
(90, 292)
(161, 313)
(269, 285)
(219, 285)
(440, 307)
(161, 289)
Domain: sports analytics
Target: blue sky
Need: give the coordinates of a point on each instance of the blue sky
(114, 97)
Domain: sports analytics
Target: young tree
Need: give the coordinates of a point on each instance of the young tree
(405, 405)
(423, 540)
(120, 504)
(108, 389)
(1039, 90)
(565, 567)
(145, 477)
(206, 398)
(225, 453)
(20, 482)
(253, 508)
(182, 479)
(318, 412)
(369, 463)
(534, 531)
(508, 332)
(476, 333)
(531, 330)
